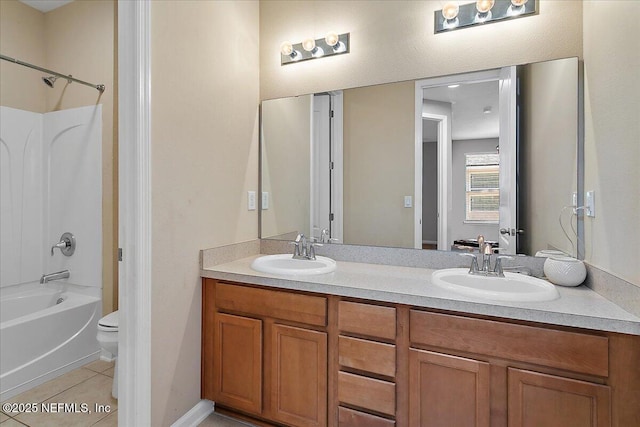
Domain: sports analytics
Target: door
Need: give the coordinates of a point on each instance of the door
(326, 166)
(320, 166)
(507, 141)
(447, 390)
(537, 399)
(299, 376)
(237, 362)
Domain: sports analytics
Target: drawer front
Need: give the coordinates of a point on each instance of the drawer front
(369, 356)
(350, 418)
(307, 309)
(370, 320)
(367, 393)
(571, 351)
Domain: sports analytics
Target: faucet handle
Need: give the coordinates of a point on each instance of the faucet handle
(67, 244)
(498, 267)
(474, 262)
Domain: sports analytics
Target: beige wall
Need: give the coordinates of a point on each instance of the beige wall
(286, 136)
(379, 147)
(22, 33)
(394, 40)
(548, 146)
(204, 136)
(612, 136)
(78, 39)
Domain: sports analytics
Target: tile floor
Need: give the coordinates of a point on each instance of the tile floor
(90, 385)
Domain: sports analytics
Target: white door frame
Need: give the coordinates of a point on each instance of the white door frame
(508, 185)
(444, 189)
(444, 156)
(134, 175)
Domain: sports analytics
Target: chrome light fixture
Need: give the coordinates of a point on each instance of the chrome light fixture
(310, 48)
(454, 16)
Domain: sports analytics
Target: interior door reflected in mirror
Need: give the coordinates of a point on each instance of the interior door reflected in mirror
(430, 163)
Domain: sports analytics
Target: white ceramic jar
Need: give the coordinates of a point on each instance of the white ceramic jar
(565, 270)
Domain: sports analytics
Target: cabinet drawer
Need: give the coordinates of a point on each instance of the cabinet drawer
(367, 393)
(350, 418)
(571, 351)
(307, 309)
(366, 319)
(369, 356)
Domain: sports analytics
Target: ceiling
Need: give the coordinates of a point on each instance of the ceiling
(45, 6)
(468, 102)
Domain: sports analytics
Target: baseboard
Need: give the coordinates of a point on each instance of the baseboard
(196, 415)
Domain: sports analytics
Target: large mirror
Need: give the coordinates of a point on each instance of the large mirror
(429, 164)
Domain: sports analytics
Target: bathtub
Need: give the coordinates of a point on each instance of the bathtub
(45, 331)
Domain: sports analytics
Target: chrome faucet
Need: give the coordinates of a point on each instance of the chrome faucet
(486, 250)
(325, 236)
(64, 274)
(304, 248)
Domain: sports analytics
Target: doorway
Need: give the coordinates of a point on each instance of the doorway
(475, 113)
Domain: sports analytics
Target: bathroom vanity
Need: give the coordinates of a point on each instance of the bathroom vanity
(377, 345)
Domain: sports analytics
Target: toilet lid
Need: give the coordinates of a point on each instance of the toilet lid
(109, 322)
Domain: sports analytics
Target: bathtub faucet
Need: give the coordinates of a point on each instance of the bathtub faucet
(64, 274)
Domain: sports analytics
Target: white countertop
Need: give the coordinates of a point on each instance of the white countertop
(577, 307)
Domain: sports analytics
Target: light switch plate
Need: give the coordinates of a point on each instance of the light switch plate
(251, 200)
(408, 202)
(590, 204)
(265, 200)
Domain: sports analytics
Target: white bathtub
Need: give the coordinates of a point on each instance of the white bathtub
(45, 331)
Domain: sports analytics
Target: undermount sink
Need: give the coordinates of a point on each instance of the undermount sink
(513, 287)
(287, 265)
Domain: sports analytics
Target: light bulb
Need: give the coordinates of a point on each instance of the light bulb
(286, 48)
(518, 3)
(450, 10)
(484, 6)
(332, 39)
(309, 44)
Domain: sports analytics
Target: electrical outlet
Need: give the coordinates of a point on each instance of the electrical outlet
(251, 200)
(590, 204)
(265, 200)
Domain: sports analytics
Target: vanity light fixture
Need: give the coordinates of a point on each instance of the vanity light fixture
(484, 10)
(332, 44)
(310, 46)
(286, 49)
(454, 16)
(450, 14)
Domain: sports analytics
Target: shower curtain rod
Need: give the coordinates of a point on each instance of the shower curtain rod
(55, 73)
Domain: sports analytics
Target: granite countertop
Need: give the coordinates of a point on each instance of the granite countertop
(577, 307)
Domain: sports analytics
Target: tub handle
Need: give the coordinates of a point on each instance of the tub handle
(67, 244)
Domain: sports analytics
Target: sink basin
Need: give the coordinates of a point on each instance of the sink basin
(285, 264)
(513, 287)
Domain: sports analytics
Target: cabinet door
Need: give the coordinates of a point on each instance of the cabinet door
(299, 376)
(447, 390)
(237, 362)
(537, 399)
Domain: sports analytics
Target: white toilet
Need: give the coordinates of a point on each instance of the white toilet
(108, 339)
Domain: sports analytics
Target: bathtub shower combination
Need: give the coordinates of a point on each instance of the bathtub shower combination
(45, 331)
(50, 183)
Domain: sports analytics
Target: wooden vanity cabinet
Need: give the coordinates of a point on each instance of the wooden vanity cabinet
(265, 353)
(367, 364)
(478, 372)
(296, 359)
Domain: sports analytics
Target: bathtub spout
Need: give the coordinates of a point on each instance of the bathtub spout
(64, 274)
